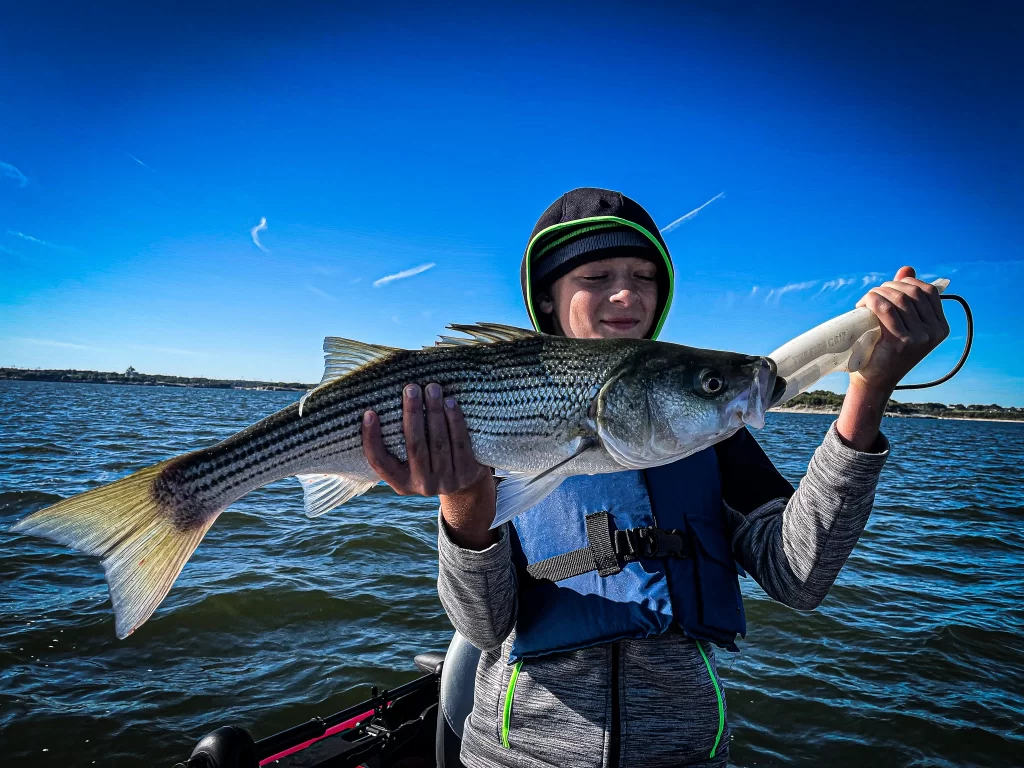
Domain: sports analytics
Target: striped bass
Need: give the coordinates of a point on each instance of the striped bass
(538, 409)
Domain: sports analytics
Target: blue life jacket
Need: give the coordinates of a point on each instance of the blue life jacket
(697, 594)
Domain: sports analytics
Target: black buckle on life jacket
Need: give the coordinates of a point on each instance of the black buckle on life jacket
(635, 543)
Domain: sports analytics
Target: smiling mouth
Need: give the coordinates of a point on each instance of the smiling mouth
(624, 323)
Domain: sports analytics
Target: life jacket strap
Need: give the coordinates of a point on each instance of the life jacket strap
(608, 550)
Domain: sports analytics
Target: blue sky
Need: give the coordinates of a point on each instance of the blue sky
(139, 147)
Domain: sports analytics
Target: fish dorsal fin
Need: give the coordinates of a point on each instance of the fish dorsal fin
(323, 493)
(343, 356)
(483, 333)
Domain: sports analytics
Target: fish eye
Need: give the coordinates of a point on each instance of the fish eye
(712, 382)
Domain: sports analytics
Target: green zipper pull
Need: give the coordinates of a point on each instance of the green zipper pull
(506, 716)
(718, 694)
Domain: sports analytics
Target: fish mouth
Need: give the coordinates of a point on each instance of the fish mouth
(765, 390)
(779, 390)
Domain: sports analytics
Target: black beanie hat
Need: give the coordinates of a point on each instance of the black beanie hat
(589, 224)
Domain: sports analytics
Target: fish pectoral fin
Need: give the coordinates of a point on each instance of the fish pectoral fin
(322, 493)
(483, 333)
(584, 445)
(519, 492)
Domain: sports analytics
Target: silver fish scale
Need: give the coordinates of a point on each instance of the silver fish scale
(527, 396)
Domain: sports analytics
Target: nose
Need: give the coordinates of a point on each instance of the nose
(624, 293)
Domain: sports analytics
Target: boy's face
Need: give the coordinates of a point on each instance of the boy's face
(612, 298)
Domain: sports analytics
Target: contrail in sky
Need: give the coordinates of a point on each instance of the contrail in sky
(133, 157)
(35, 240)
(60, 344)
(255, 232)
(403, 274)
(690, 215)
(8, 170)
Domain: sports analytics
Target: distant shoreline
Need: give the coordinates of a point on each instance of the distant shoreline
(133, 378)
(818, 402)
(812, 411)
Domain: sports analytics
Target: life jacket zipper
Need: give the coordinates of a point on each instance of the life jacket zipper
(614, 736)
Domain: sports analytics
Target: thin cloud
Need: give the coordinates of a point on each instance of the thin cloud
(403, 274)
(321, 293)
(8, 171)
(687, 216)
(133, 157)
(778, 293)
(166, 350)
(836, 285)
(871, 277)
(36, 240)
(754, 290)
(255, 232)
(9, 252)
(59, 344)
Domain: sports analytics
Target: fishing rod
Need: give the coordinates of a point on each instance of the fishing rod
(382, 726)
(845, 343)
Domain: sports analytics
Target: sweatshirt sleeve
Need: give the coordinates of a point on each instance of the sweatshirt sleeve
(478, 588)
(795, 548)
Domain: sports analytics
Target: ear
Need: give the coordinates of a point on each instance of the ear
(545, 304)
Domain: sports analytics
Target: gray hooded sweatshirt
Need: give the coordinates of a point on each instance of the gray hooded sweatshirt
(671, 705)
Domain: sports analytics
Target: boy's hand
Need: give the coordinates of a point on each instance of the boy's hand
(913, 324)
(440, 462)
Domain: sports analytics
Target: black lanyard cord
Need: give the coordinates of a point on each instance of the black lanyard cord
(967, 347)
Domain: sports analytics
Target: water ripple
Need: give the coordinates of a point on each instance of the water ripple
(915, 658)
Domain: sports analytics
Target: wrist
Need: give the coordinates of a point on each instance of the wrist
(469, 512)
(870, 391)
(861, 416)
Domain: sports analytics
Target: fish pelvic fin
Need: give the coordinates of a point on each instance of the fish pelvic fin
(322, 493)
(135, 534)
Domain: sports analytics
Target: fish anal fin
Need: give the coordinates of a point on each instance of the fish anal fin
(323, 492)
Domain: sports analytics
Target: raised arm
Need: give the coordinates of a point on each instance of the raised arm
(796, 548)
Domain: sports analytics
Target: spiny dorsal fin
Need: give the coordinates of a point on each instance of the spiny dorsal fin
(343, 356)
(483, 333)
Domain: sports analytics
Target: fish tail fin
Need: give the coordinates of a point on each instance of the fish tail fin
(142, 542)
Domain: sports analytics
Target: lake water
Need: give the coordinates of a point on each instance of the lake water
(915, 658)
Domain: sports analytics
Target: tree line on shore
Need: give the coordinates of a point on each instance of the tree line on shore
(816, 400)
(823, 400)
(133, 377)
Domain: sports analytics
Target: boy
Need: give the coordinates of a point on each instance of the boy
(581, 668)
